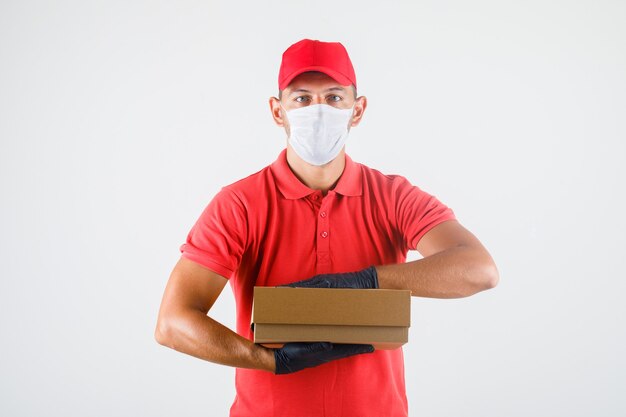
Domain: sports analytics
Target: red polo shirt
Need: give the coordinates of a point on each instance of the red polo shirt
(270, 229)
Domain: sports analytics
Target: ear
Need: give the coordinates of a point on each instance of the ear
(360, 105)
(276, 110)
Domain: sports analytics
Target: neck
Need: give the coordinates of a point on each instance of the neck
(322, 178)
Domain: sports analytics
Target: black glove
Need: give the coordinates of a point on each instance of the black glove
(365, 278)
(295, 357)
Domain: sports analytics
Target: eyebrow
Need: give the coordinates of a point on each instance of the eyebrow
(304, 90)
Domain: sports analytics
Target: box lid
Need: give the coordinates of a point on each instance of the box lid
(331, 306)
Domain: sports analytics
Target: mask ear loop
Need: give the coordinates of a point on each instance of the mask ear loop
(284, 111)
(351, 116)
(284, 116)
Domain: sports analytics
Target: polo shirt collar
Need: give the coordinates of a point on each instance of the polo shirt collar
(349, 184)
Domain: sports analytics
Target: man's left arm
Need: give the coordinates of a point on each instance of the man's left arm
(455, 264)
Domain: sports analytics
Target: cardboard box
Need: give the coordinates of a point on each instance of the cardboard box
(285, 314)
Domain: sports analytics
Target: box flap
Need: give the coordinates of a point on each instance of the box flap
(331, 306)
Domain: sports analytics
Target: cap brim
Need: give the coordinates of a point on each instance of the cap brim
(337, 76)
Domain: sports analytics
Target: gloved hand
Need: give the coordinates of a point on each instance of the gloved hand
(294, 357)
(365, 278)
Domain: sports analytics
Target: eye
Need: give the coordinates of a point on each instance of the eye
(301, 99)
(334, 98)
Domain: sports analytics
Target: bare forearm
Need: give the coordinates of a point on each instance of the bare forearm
(194, 333)
(453, 273)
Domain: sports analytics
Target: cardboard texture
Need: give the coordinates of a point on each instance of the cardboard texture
(285, 314)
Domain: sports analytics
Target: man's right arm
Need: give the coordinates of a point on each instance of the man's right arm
(183, 323)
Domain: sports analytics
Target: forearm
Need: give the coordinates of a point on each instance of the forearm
(194, 333)
(453, 273)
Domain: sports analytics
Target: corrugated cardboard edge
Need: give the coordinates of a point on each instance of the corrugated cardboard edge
(381, 337)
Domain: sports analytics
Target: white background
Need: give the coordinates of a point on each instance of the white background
(119, 120)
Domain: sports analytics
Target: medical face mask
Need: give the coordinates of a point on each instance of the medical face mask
(318, 132)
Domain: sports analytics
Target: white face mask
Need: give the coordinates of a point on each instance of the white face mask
(318, 132)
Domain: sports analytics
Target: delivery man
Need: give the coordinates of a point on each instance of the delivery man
(315, 217)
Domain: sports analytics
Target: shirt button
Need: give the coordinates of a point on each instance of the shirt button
(323, 214)
(324, 234)
(315, 197)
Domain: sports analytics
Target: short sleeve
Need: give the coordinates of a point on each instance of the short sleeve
(218, 238)
(417, 211)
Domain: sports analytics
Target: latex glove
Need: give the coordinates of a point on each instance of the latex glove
(294, 357)
(365, 278)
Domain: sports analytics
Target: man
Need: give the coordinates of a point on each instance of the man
(315, 218)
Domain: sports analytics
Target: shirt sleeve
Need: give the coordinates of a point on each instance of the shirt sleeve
(417, 212)
(218, 238)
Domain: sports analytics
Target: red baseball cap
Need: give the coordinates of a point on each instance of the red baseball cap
(331, 58)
